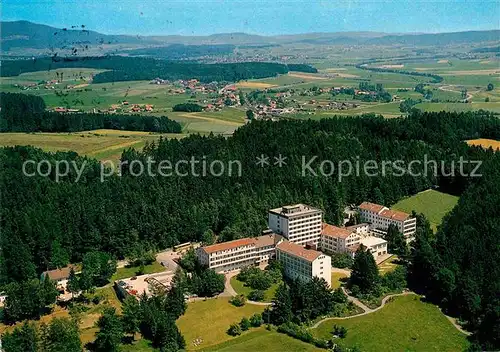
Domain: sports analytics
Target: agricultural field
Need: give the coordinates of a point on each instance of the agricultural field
(485, 143)
(472, 75)
(99, 144)
(433, 204)
(206, 321)
(86, 96)
(459, 107)
(407, 323)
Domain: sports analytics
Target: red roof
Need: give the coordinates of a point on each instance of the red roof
(395, 215)
(375, 208)
(298, 251)
(334, 231)
(218, 247)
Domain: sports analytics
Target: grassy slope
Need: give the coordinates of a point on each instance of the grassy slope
(241, 289)
(263, 340)
(99, 144)
(336, 279)
(433, 204)
(406, 324)
(209, 320)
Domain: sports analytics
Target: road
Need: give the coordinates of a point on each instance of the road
(166, 258)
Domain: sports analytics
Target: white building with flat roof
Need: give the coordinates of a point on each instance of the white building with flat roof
(298, 223)
(240, 253)
(376, 245)
(336, 239)
(302, 263)
(380, 217)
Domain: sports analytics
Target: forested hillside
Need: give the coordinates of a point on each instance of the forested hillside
(459, 269)
(161, 211)
(46, 224)
(26, 113)
(134, 68)
(181, 51)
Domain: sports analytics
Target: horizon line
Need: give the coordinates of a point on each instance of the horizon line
(258, 34)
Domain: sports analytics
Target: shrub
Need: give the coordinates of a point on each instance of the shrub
(256, 320)
(247, 272)
(234, 330)
(260, 281)
(238, 301)
(338, 296)
(245, 324)
(396, 279)
(296, 331)
(256, 295)
(342, 260)
(339, 331)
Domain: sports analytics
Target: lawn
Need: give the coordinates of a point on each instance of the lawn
(208, 320)
(336, 279)
(388, 265)
(263, 340)
(129, 271)
(405, 324)
(241, 289)
(433, 204)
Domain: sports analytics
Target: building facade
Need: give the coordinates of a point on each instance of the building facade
(298, 223)
(302, 263)
(380, 217)
(337, 239)
(237, 254)
(348, 239)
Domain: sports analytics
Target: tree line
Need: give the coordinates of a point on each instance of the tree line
(435, 78)
(26, 113)
(140, 68)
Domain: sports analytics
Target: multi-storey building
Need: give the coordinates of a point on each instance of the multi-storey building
(298, 223)
(348, 239)
(239, 253)
(302, 263)
(337, 239)
(380, 217)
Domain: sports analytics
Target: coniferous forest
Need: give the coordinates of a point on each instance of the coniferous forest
(457, 268)
(26, 113)
(141, 68)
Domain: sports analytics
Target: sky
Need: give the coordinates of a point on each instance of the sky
(266, 17)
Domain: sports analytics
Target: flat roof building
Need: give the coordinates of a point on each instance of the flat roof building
(298, 223)
(234, 255)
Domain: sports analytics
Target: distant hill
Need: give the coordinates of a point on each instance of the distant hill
(27, 35)
(439, 38)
